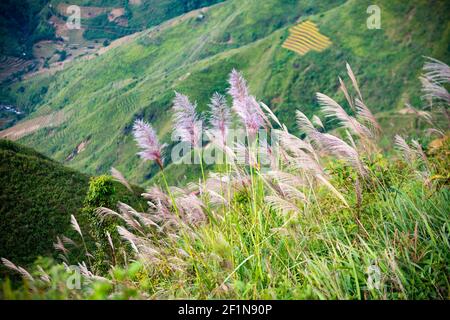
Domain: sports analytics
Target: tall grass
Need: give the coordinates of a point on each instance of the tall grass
(332, 218)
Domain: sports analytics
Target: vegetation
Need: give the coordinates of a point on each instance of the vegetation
(147, 14)
(330, 217)
(38, 196)
(23, 23)
(102, 193)
(138, 79)
(37, 200)
(322, 198)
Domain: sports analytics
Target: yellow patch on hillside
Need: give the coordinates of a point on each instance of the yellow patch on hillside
(305, 37)
(437, 144)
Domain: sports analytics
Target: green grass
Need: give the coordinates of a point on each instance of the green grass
(326, 240)
(37, 198)
(246, 249)
(145, 15)
(138, 79)
(249, 250)
(25, 23)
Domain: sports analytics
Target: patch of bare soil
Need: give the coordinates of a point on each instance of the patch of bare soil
(79, 148)
(29, 126)
(85, 12)
(46, 48)
(60, 27)
(115, 13)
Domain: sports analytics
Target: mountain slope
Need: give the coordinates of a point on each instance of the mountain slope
(37, 198)
(35, 38)
(102, 97)
(26, 22)
(22, 23)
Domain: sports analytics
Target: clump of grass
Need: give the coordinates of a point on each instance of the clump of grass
(331, 218)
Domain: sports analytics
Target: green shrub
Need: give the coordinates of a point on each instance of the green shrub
(101, 193)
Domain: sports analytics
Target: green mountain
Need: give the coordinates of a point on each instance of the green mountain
(35, 36)
(82, 115)
(22, 24)
(26, 22)
(38, 197)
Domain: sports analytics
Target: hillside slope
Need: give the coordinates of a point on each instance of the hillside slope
(35, 38)
(103, 96)
(27, 22)
(37, 198)
(23, 23)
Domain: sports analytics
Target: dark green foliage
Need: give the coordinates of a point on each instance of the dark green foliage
(22, 23)
(37, 198)
(101, 193)
(100, 27)
(104, 192)
(62, 55)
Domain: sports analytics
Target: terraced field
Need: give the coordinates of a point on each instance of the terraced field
(29, 126)
(305, 37)
(136, 76)
(11, 65)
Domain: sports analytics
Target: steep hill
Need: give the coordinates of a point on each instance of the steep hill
(37, 198)
(100, 98)
(34, 35)
(23, 23)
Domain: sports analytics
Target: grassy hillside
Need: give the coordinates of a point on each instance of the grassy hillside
(333, 217)
(37, 197)
(101, 97)
(35, 37)
(26, 22)
(22, 24)
(133, 15)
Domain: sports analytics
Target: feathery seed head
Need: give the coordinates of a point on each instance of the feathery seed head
(437, 75)
(245, 105)
(187, 124)
(147, 140)
(220, 117)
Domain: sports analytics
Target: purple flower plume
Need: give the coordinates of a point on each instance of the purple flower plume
(245, 105)
(187, 124)
(220, 117)
(147, 140)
